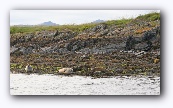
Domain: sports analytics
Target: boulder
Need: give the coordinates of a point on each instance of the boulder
(28, 68)
(148, 35)
(57, 33)
(130, 43)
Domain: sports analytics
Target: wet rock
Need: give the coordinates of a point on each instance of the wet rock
(130, 43)
(148, 36)
(141, 46)
(118, 71)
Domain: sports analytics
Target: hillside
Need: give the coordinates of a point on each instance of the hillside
(116, 47)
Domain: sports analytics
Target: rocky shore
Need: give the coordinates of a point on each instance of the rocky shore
(130, 48)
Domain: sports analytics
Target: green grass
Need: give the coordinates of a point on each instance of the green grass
(33, 29)
(150, 17)
(118, 22)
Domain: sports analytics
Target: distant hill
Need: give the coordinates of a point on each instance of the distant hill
(98, 21)
(49, 23)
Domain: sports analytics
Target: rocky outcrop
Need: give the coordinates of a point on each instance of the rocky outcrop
(99, 50)
(144, 43)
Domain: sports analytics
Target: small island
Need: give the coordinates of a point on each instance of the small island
(123, 47)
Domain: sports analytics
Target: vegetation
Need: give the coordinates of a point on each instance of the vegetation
(81, 27)
(150, 17)
(33, 29)
(118, 22)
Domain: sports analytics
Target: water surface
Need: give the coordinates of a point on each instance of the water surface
(21, 84)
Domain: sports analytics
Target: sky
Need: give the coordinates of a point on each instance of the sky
(33, 17)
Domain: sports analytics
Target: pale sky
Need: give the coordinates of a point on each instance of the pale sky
(32, 17)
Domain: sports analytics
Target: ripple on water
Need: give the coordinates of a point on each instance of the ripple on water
(33, 84)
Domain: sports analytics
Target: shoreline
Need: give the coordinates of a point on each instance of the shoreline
(94, 77)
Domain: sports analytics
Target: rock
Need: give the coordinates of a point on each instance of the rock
(148, 36)
(149, 46)
(28, 68)
(29, 50)
(75, 47)
(141, 46)
(13, 49)
(116, 32)
(28, 37)
(63, 50)
(47, 49)
(130, 43)
(119, 71)
(144, 43)
(99, 28)
(57, 33)
(104, 32)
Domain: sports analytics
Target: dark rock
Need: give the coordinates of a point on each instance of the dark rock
(130, 43)
(57, 33)
(141, 46)
(148, 36)
(149, 46)
(118, 71)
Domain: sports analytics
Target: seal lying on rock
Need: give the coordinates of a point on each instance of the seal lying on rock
(66, 70)
(28, 68)
(156, 60)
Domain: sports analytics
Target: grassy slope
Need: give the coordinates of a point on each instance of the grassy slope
(79, 28)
